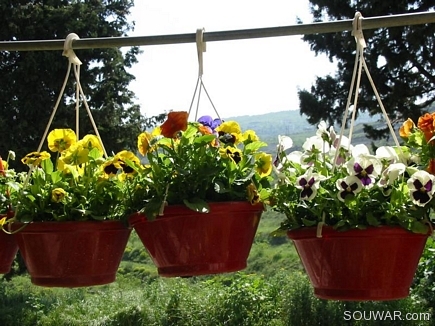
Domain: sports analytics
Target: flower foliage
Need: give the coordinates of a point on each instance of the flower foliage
(8, 188)
(193, 163)
(336, 184)
(79, 185)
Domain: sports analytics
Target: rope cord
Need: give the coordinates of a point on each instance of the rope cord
(201, 48)
(360, 63)
(74, 62)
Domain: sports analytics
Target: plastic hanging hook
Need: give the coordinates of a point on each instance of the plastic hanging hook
(357, 29)
(201, 48)
(68, 50)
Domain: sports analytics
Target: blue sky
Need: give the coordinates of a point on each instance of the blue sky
(243, 77)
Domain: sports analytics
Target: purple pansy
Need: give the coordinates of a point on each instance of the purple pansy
(208, 121)
(365, 168)
(349, 186)
(421, 187)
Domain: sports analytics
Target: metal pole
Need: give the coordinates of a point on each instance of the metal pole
(301, 29)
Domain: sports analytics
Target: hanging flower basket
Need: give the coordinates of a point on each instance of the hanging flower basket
(8, 250)
(377, 263)
(186, 243)
(72, 254)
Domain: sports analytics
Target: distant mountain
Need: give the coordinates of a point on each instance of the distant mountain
(291, 123)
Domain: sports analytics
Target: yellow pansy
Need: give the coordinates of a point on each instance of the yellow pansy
(143, 142)
(253, 196)
(233, 153)
(90, 142)
(406, 129)
(35, 158)
(250, 136)
(76, 154)
(61, 139)
(123, 157)
(264, 164)
(229, 132)
(57, 195)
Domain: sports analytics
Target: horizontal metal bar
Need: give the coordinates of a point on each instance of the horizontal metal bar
(301, 29)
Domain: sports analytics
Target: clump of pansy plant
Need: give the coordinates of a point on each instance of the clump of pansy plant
(194, 163)
(330, 182)
(9, 185)
(76, 183)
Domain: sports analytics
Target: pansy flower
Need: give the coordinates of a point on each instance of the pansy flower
(233, 153)
(123, 157)
(263, 163)
(366, 168)
(57, 195)
(309, 183)
(209, 122)
(250, 136)
(230, 133)
(426, 125)
(284, 143)
(253, 196)
(76, 154)
(35, 158)
(421, 187)
(144, 142)
(391, 174)
(407, 128)
(90, 142)
(176, 122)
(315, 143)
(349, 186)
(61, 139)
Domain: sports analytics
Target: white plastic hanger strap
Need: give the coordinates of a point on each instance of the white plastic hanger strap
(201, 48)
(360, 63)
(74, 62)
(68, 50)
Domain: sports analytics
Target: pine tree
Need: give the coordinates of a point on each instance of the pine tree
(31, 80)
(400, 59)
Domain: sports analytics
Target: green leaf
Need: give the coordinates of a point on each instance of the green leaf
(371, 220)
(47, 166)
(56, 177)
(205, 139)
(418, 227)
(308, 222)
(197, 205)
(94, 153)
(254, 146)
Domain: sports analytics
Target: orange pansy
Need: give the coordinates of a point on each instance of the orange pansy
(426, 124)
(406, 128)
(176, 121)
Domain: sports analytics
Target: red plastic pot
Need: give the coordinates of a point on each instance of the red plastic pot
(186, 243)
(72, 254)
(8, 249)
(378, 263)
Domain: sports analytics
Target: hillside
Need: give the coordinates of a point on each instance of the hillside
(291, 123)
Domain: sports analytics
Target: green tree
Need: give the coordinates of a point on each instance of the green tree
(400, 59)
(31, 80)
